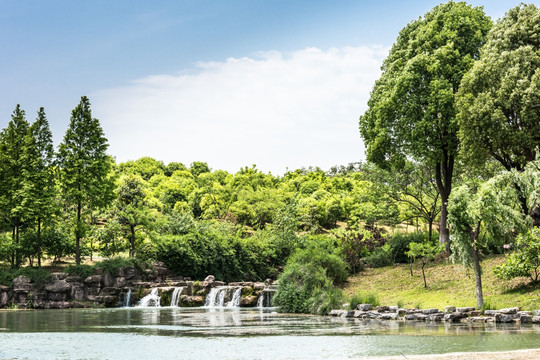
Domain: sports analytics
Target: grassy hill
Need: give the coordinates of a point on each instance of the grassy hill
(448, 284)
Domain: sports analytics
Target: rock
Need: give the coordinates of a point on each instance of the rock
(120, 282)
(475, 313)
(393, 308)
(335, 312)
(477, 319)
(364, 307)
(520, 313)
(507, 311)
(505, 318)
(59, 276)
(401, 312)
(59, 286)
(417, 317)
(491, 312)
(258, 286)
(191, 301)
(536, 319)
(56, 305)
(210, 278)
(4, 299)
(248, 301)
(454, 317)
(430, 311)
(465, 309)
(74, 279)
(93, 280)
(525, 319)
(268, 282)
(347, 313)
(449, 309)
(77, 293)
(130, 273)
(436, 317)
(108, 280)
(536, 313)
(382, 309)
(388, 316)
(21, 284)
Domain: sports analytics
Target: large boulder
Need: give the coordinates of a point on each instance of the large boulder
(59, 286)
(22, 284)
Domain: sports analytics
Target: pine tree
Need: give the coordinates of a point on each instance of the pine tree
(12, 170)
(39, 188)
(84, 168)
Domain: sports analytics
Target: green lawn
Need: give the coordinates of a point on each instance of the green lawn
(448, 284)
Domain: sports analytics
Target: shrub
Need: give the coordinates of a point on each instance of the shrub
(399, 245)
(381, 257)
(83, 271)
(334, 266)
(360, 298)
(39, 277)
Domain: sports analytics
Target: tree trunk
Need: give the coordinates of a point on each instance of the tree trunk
(78, 236)
(478, 278)
(13, 247)
(444, 171)
(39, 242)
(423, 273)
(132, 240)
(17, 253)
(430, 229)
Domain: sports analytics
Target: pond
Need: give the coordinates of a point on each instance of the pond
(199, 333)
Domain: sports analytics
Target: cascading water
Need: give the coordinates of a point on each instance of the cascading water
(127, 299)
(223, 296)
(265, 298)
(151, 300)
(175, 298)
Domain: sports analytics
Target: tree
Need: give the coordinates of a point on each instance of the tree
(499, 98)
(479, 215)
(412, 108)
(425, 251)
(39, 187)
(13, 169)
(130, 207)
(84, 168)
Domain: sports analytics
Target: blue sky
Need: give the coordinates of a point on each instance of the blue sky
(273, 83)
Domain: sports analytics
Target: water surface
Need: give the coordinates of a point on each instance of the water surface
(220, 334)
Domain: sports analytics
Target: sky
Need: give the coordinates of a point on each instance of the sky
(275, 83)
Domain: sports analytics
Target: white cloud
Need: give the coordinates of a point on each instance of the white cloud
(273, 110)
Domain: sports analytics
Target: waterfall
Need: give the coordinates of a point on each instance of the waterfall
(175, 298)
(265, 298)
(127, 299)
(151, 300)
(223, 296)
(235, 302)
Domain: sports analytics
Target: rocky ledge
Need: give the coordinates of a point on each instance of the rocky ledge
(125, 288)
(450, 314)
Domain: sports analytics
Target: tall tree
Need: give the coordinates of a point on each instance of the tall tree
(39, 187)
(412, 108)
(500, 95)
(84, 167)
(12, 166)
(130, 208)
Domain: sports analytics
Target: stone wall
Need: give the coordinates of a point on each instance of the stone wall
(450, 314)
(105, 290)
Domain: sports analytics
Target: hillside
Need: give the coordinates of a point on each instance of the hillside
(448, 284)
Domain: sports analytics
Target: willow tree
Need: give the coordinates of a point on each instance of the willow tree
(412, 109)
(500, 95)
(481, 214)
(84, 168)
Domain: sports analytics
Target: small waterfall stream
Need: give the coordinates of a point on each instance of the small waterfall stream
(175, 298)
(265, 298)
(151, 300)
(127, 299)
(224, 296)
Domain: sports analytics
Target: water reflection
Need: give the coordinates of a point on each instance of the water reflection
(151, 332)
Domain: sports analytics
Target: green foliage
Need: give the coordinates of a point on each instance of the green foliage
(84, 168)
(399, 244)
(363, 298)
(500, 94)
(525, 260)
(39, 277)
(113, 266)
(83, 271)
(380, 257)
(320, 256)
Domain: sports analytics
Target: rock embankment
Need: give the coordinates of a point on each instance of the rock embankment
(450, 314)
(125, 288)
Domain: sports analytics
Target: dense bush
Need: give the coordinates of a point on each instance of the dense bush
(306, 284)
(399, 245)
(368, 298)
(38, 276)
(211, 250)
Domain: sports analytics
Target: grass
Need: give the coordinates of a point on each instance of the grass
(448, 285)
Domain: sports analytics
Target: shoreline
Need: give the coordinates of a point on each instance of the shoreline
(523, 354)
